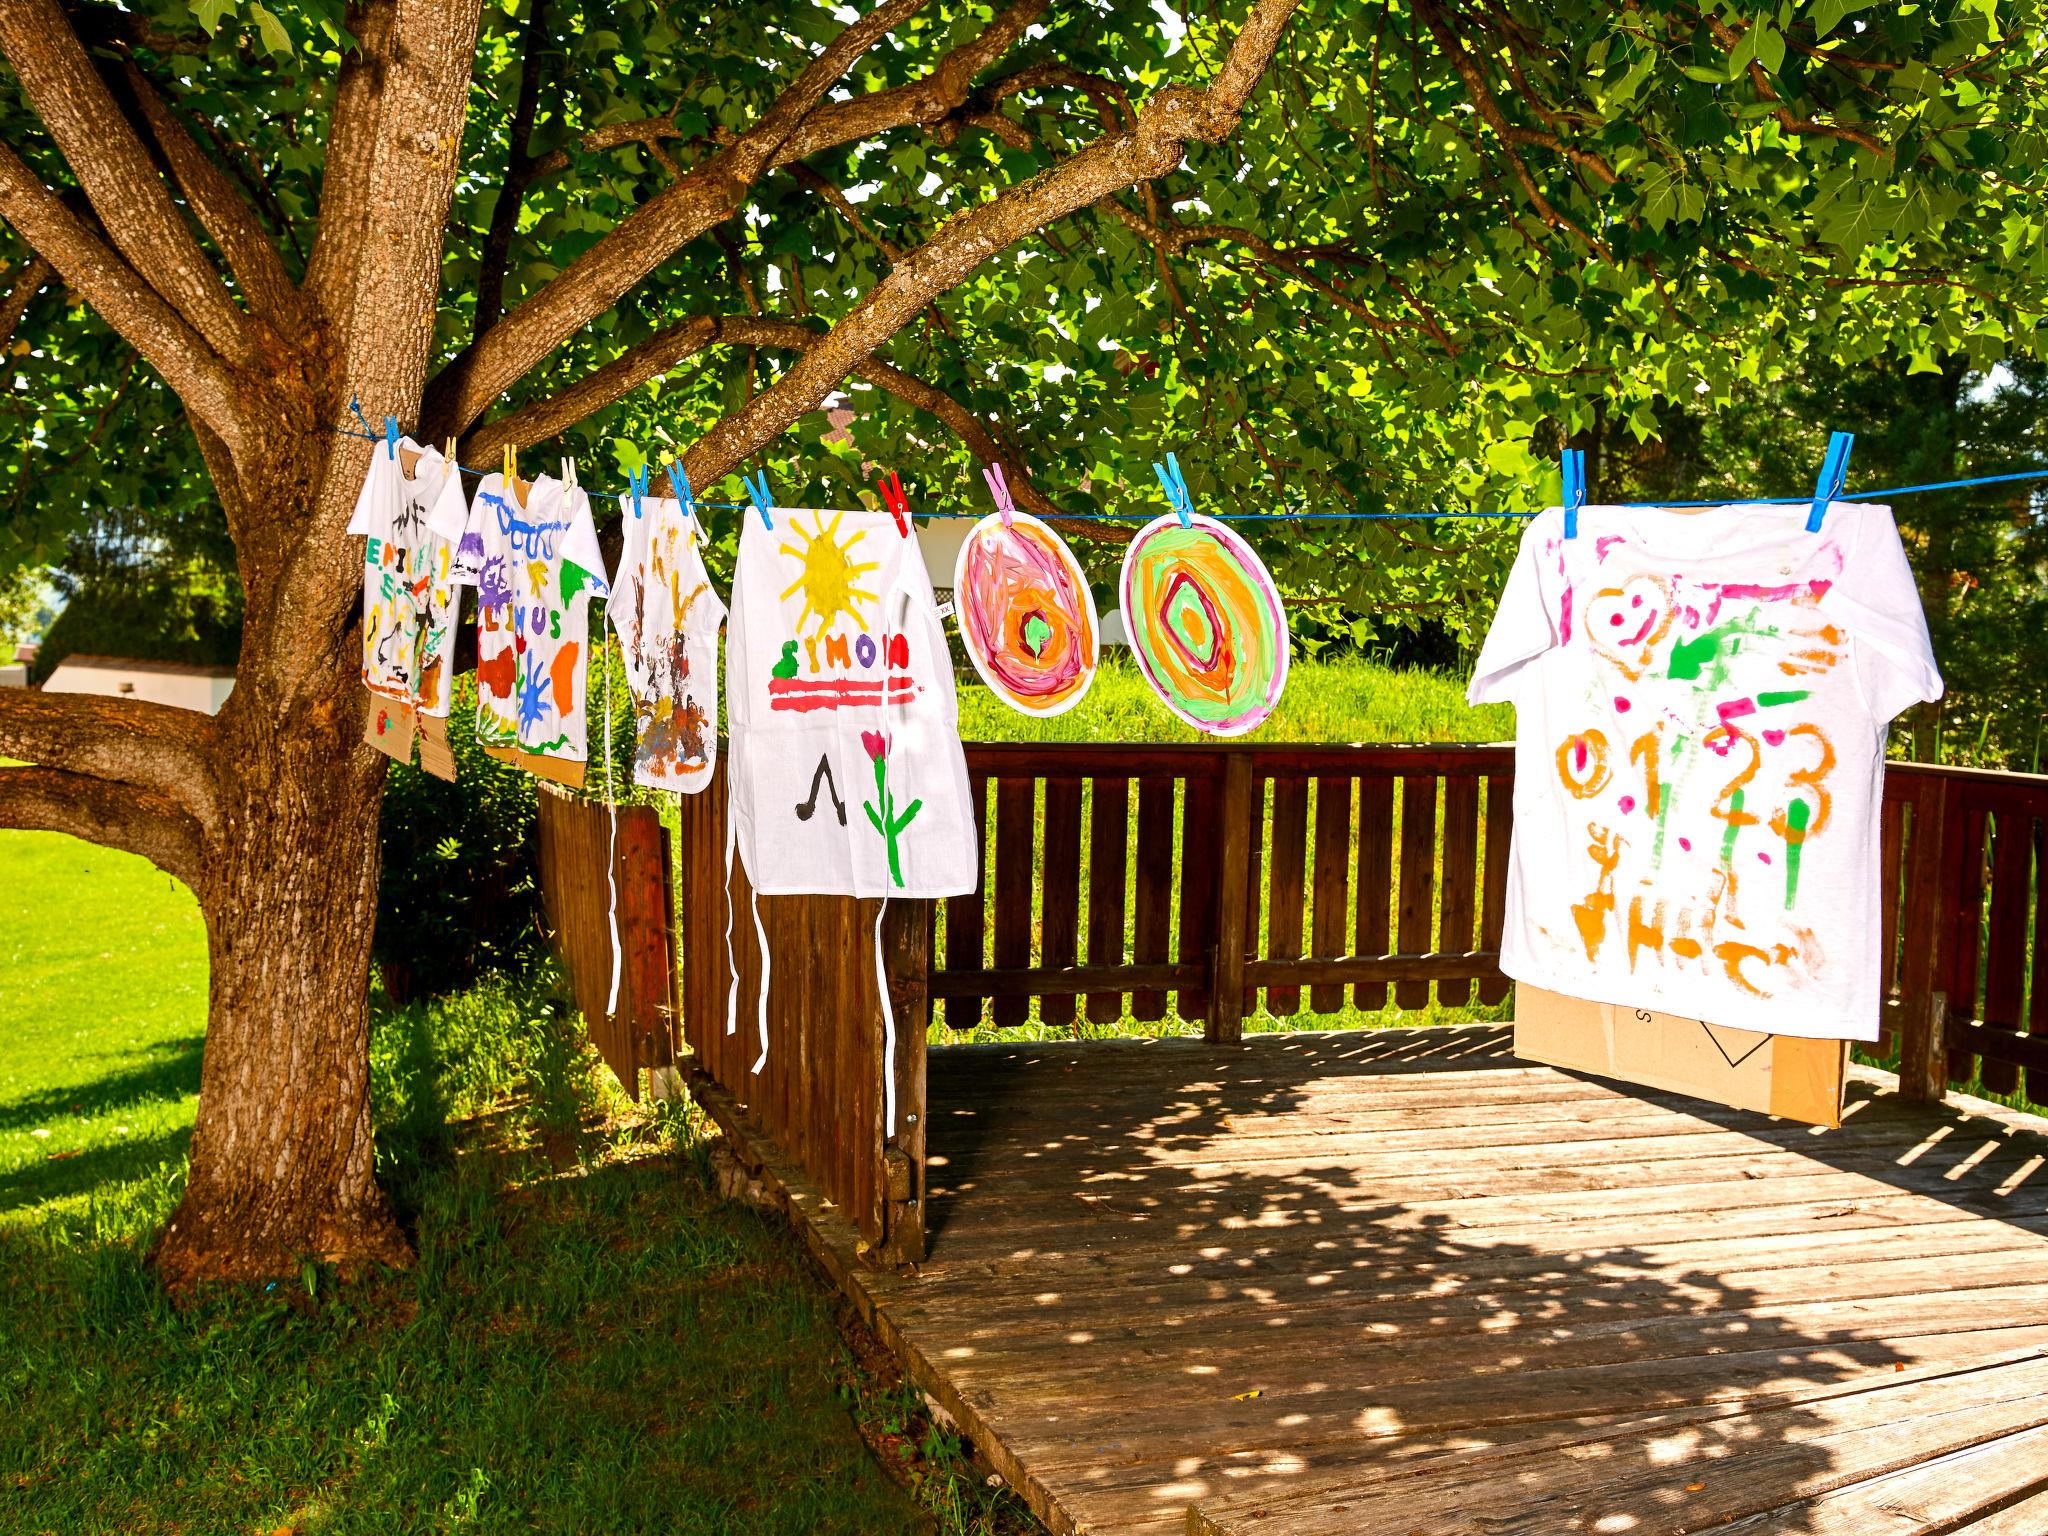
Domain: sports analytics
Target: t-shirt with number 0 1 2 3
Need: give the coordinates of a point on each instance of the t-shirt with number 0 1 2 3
(1702, 700)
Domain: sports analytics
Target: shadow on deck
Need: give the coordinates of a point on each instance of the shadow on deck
(1396, 1281)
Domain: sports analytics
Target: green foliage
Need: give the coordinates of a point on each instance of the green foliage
(458, 892)
(1369, 299)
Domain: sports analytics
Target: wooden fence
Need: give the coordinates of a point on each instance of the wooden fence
(1217, 879)
(576, 844)
(1218, 874)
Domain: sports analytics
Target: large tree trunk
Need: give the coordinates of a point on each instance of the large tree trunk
(282, 1164)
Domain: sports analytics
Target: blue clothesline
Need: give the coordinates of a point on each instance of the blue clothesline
(1422, 517)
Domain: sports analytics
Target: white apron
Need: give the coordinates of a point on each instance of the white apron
(846, 772)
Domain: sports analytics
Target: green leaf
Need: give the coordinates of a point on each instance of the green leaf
(1827, 14)
(1769, 46)
(276, 40)
(211, 13)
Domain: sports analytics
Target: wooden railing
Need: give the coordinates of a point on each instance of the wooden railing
(577, 839)
(1119, 881)
(1115, 877)
(1966, 974)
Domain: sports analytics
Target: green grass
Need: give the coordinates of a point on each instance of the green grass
(1345, 699)
(105, 1005)
(590, 1341)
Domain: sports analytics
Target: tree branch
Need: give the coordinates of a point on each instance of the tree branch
(1154, 145)
(222, 211)
(519, 172)
(134, 206)
(112, 815)
(662, 353)
(594, 281)
(22, 294)
(121, 298)
(150, 747)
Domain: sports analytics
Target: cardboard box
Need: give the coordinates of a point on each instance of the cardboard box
(1786, 1075)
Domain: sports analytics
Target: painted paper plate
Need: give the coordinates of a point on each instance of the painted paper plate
(1206, 624)
(1025, 613)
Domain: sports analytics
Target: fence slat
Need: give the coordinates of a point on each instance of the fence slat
(1418, 878)
(1152, 925)
(1109, 847)
(1016, 804)
(1254, 881)
(1198, 865)
(1493, 903)
(1891, 859)
(1284, 899)
(1375, 894)
(1233, 921)
(1061, 884)
(2005, 949)
(1330, 932)
(1965, 888)
(966, 915)
(2037, 989)
(1460, 879)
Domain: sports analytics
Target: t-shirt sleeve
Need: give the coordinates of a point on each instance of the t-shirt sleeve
(469, 548)
(1527, 622)
(582, 561)
(449, 515)
(1876, 601)
(373, 511)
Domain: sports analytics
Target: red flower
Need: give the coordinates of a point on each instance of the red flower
(877, 744)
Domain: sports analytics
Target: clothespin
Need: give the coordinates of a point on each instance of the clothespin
(637, 479)
(391, 435)
(757, 492)
(448, 453)
(1573, 491)
(1834, 470)
(355, 407)
(1176, 487)
(894, 499)
(679, 482)
(511, 471)
(999, 488)
(569, 472)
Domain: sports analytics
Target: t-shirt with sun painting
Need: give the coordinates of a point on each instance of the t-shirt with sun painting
(536, 566)
(1702, 700)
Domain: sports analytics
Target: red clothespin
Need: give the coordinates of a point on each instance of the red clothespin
(894, 499)
(999, 488)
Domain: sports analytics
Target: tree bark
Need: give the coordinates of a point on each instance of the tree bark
(282, 1168)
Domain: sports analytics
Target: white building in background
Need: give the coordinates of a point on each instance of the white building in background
(159, 682)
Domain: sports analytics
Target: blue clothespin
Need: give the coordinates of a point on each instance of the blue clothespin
(757, 492)
(355, 408)
(1573, 491)
(1834, 470)
(679, 482)
(1175, 485)
(391, 435)
(636, 479)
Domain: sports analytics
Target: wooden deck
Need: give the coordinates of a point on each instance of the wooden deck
(1396, 1282)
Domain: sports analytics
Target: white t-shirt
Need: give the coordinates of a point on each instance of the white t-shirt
(411, 525)
(668, 620)
(1701, 704)
(536, 567)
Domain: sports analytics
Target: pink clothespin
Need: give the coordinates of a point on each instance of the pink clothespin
(894, 499)
(999, 488)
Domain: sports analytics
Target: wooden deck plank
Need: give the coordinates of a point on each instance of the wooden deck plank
(1164, 1274)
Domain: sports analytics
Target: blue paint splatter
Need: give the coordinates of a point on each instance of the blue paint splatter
(533, 693)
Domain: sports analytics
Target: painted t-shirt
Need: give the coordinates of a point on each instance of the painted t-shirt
(1701, 708)
(668, 620)
(411, 524)
(536, 566)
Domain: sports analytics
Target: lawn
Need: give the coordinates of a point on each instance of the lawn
(591, 1340)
